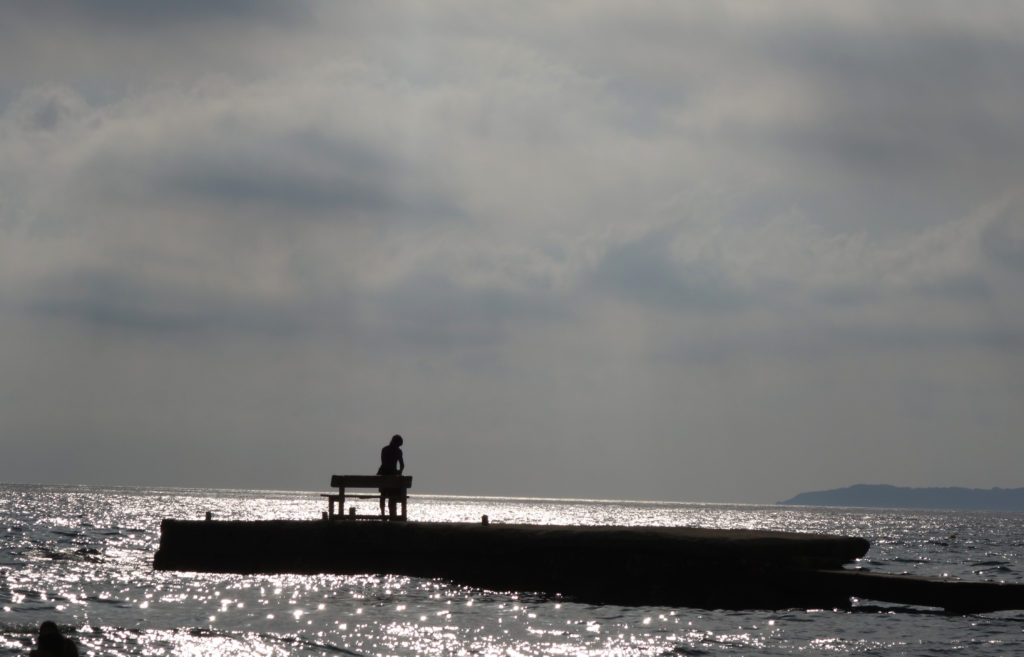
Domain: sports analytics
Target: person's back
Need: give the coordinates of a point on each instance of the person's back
(391, 463)
(391, 460)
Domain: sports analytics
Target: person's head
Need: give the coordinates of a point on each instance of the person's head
(50, 640)
(48, 627)
(396, 440)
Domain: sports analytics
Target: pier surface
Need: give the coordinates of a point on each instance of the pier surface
(674, 566)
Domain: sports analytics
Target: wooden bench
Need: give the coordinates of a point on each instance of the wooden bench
(398, 484)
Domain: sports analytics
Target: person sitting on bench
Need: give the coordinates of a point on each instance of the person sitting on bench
(391, 463)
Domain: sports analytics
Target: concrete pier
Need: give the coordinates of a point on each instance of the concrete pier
(706, 568)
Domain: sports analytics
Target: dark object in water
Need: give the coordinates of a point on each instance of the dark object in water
(673, 566)
(51, 643)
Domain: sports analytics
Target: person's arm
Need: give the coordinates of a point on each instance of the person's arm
(401, 462)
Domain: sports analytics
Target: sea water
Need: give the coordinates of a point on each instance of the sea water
(82, 556)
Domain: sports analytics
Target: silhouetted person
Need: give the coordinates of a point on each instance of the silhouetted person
(391, 463)
(51, 643)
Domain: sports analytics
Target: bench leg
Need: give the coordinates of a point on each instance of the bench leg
(392, 507)
(333, 500)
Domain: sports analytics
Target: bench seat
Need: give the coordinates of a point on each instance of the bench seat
(397, 486)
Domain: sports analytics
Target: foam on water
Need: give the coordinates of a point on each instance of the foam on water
(82, 556)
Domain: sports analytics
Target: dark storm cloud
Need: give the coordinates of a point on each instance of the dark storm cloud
(646, 272)
(134, 14)
(279, 175)
(971, 288)
(846, 296)
(431, 310)
(358, 182)
(110, 49)
(114, 301)
(253, 182)
(46, 109)
(1003, 239)
(907, 101)
(49, 113)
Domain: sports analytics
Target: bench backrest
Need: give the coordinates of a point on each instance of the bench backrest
(371, 481)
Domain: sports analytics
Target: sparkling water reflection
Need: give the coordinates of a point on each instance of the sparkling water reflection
(83, 557)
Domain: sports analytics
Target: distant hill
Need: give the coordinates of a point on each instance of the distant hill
(898, 497)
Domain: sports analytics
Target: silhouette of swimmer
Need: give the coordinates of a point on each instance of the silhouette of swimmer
(51, 643)
(391, 463)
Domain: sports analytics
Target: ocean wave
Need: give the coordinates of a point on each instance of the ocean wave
(100, 579)
(90, 555)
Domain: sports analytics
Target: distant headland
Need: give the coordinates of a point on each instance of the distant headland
(899, 497)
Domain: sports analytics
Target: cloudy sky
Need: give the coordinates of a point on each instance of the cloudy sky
(700, 251)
